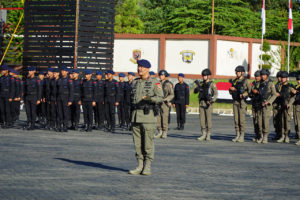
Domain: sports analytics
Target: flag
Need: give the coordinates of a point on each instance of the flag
(263, 17)
(290, 25)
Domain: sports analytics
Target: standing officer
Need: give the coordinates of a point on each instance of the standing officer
(127, 101)
(7, 92)
(111, 100)
(296, 109)
(75, 107)
(256, 105)
(208, 94)
(162, 118)
(121, 106)
(17, 97)
(99, 98)
(181, 100)
(146, 95)
(53, 100)
(48, 78)
(88, 100)
(65, 96)
(276, 108)
(267, 93)
(41, 108)
(287, 99)
(32, 97)
(239, 90)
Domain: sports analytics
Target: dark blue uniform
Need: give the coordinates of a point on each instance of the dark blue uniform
(111, 97)
(99, 108)
(16, 104)
(7, 91)
(181, 98)
(121, 106)
(75, 107)
(42, 107)
(32, 93)
(65, 94)
(52, 101)
(87, 98)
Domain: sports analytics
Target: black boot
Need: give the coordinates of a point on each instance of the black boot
(178, 126)
(89, 128)
(181, 126)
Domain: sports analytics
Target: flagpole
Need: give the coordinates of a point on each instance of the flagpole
(288, 61)
(261, 52)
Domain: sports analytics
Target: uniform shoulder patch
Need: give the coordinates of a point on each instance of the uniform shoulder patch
(158, 85)
(71, 81)
(94, 82)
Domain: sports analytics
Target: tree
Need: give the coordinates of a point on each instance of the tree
(126, 18)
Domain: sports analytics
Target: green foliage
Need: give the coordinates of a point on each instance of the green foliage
(266, 46)
(266, 57)
(266, 66)
(126, 18)
(15, 51)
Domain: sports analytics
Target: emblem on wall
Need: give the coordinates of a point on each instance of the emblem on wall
(136, 55)
(187, 56)
(231, 52)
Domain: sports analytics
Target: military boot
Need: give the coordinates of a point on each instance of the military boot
(202, 138)
(241, 138)
(208, 136)
(164, 134)
(159, 134)
(265, 140)
(260, 139)
(281, 139)
(147, 168)
(182, 127)
(178, 126)
(237, 137)
(138, 169)
(287, 139)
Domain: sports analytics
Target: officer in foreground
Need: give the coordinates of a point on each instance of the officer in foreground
(208, 94)
(181, 100)
(163, 117)
(267, 93)
(239, 90)
(146, 95)
(276, 108)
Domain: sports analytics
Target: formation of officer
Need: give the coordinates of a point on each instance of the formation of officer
(164, 111)
(296, 109)
(147, 94)
(208, 94)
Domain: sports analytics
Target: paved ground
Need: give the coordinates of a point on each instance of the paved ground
(75, 165)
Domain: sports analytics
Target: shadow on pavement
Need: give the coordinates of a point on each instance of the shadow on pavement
(92, 164)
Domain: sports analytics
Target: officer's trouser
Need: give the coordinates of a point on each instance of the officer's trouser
(277, 119)
(87, 112)
(239, 111)
(285, 121)
(143, 134)
(110, 111)
(30, 105)
(5, 110)
(205, 118)
(16, 110)
(256, 122)
(75, 112)
(128, 112)
(162, 118)
(264, 119)
(121, 112)
(53, 113)
(180, 113)
(297, 119)
(99, 113)
(63, 112)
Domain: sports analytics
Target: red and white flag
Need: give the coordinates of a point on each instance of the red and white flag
(290, 26)
(263, 17)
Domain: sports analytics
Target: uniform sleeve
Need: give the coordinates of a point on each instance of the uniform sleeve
(187, 94)
(71, 91)
(12, 88)
(247, 87)
(158, 94)
(117, 92)
(94, 90)
(272, 96)
(39, 89)
(170, 93)
(214, 92)
(293, 97)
